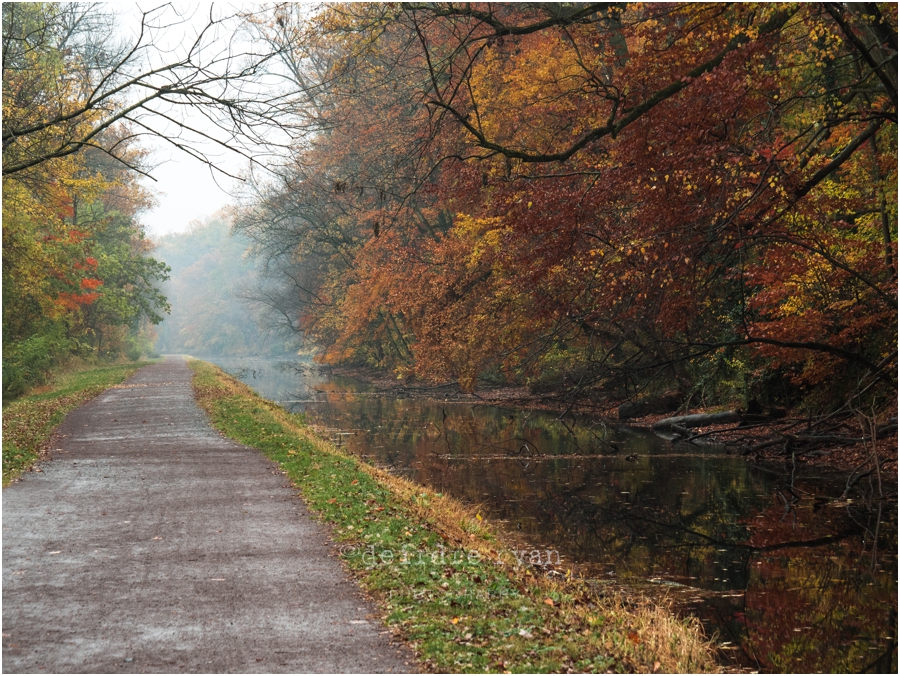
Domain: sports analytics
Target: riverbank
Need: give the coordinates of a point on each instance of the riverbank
(793, 438)
(846, 446)
(443, 578)
(29, 421)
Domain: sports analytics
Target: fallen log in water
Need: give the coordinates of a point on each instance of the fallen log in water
(681, 423)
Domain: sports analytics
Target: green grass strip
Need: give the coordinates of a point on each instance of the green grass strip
(29, 421)
(441, 577)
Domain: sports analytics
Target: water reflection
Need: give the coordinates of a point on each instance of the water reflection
(791, 579)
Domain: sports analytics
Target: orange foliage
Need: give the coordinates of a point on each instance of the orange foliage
(634, 186)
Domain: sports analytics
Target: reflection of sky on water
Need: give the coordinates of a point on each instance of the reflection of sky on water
(742, 546)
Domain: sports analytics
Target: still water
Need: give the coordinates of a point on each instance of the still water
(790, 579)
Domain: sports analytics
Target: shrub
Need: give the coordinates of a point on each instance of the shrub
(27, 362)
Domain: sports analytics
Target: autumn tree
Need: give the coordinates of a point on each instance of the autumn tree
(627, 196)
(77, 277)
(68, 79)
(349, 184)
(77, 272)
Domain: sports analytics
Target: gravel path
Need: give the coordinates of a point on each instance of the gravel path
(152, 544)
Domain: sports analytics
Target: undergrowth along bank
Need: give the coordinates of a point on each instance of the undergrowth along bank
(443, 579)
(29, 421)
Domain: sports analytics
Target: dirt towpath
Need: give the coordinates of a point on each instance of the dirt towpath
(152, 544)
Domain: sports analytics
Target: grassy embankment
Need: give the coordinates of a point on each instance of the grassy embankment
(441, 576)
(29, 421)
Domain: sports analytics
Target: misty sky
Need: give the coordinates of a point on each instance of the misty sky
(185, 191)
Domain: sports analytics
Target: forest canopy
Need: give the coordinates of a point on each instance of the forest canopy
(77, 274)
(613, 197)
(607, 199)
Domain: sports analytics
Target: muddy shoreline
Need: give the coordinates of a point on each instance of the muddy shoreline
(782, 441)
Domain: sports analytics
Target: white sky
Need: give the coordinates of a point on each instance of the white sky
(185, 188)
(185, 191)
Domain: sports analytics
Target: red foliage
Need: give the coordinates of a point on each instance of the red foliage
(472, 238)
(73, 301)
